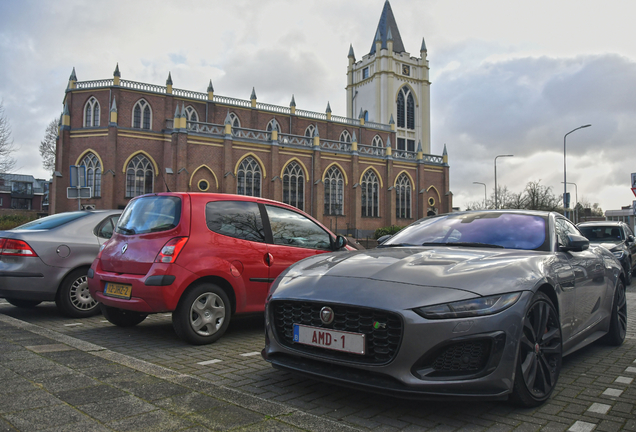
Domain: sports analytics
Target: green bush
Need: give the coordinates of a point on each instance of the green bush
(8, 222)
(386, 230)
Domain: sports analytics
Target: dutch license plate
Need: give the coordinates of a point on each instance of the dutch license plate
(330, 339)
(118, 290)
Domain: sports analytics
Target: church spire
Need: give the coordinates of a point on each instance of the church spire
(387, 28)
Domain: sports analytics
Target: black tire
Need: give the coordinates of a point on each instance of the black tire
(618, 320)
(73, 298)
(122, 317)
(23, 304)
(628, 276)
(540, 353)
(202, 315)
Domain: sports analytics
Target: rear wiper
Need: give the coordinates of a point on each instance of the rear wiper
(126, 230)
(163, 227)
(396, 245)
(466, 244)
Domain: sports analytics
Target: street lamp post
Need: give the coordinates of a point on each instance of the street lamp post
(565, 181)
(498, 156)
(576, 197)
(484, 184)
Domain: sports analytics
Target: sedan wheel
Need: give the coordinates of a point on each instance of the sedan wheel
(618, 321)
(540, 352)
(202, 315)
(73, 298)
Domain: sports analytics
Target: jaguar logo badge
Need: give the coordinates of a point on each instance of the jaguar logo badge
(326, 315)
(124, 248)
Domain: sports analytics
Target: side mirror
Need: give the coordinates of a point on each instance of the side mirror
(384, 238)
(630, 239)
(577, 243)
(340, 242)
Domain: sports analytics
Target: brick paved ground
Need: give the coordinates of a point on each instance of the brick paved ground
(596, 389)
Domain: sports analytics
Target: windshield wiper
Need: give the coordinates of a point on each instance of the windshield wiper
(163, 227)
(465, 244)
(126, 230)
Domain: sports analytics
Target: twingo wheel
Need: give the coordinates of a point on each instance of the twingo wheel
(618, 320)
(73, 298)
(122, 317)
(540, 352)
(23, 304)
(202, 315)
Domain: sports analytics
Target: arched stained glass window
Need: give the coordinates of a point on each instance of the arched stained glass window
(91, 113)
(93, 174)
(142, 115)
(334, 191)
(235, 120)
(377, 142)
(139, 176)
(345, 136)
(370, 194)
(249, 178)
(405, 109)
(403, 197)
(294, 185)
(273, 125)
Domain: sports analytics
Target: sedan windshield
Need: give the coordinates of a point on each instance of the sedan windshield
(479, 229)
(602, 234)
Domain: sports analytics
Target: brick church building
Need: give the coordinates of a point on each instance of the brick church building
(356, 173)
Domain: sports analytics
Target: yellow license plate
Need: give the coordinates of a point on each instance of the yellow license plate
(118, 290)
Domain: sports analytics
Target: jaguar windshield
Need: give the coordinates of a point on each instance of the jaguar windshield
(479, 229)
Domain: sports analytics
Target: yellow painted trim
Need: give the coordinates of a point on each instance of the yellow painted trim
(134, 134)
(206, 143)
(372, 162)
(145, 154)
(88, 135)
(201, 140)
(91, 90)
(342, 170)
(294, 159)
(251, 148)
(376, 172)
(308, 152)
(405, 166)
(335, 159)
(79, 159)
(260, 162)
(439, 197)
(432, 204)
(433, 170)
(408, 175)
(209, 169)
(206, 189)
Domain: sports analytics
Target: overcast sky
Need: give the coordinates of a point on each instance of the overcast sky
(508, 77)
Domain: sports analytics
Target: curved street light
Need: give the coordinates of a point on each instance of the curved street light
(576, 197)
(565, 181)
(498, 156)
(484, 192)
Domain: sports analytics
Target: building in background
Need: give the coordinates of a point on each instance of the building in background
(353, 174)
(23, 192)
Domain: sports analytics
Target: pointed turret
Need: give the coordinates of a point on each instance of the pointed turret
(66, 117)
(354, 143)
(169, 84)
(420, 153)
(253, 98)
(210, 91)
(116, 75)
(387, 22)
(184, 117)
(177, 114)
(228, 125)
(113, 113)
(389, 149)
(392, 123)
(316, 137)
(292, 106)
(423, 47)
(72, 80)
(328, 111)
(445, 155)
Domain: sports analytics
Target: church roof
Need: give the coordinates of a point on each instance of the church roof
(388, 27)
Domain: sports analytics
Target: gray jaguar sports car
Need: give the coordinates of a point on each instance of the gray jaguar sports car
(477, 304)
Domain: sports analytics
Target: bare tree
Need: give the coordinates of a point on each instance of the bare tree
(47, 146)
(7, 162)
(540, 197)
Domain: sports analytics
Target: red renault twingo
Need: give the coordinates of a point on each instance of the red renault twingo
(203, 257)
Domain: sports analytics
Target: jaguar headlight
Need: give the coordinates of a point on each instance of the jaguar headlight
(469, 308)
(619, 254)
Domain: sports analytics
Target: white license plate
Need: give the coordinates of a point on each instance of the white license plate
(330, 339)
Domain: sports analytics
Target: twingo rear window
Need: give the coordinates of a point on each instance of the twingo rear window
(53, 221)
(150, 214)
(239, 219)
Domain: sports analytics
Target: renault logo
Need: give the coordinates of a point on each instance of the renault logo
(124, 248)
(326, 315)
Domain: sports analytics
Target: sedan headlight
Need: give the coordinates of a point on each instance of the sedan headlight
(470, 308)
(619, 254)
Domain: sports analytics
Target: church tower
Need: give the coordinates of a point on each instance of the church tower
(390, 86)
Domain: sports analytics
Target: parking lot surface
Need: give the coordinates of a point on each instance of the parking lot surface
(145, 378)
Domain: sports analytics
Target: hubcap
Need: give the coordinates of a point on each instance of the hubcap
(80, 296)
(207, 314)
(541, 349)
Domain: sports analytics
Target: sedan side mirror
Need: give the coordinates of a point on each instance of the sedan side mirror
(630, 239)
(577, 243)
(340, 242)
(384, 238)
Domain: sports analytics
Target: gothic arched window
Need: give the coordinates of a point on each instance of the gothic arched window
(294, 185)
(377, 142)
(403, 197)
(370, 194)
(139, 176)
(273, 125)
(93, 174)
(309, 132)
(91, 113)
(405, 109)
(191, 116)
(249, 178)
(142, 115)
(345, 136)
(235, 120)
(334, 191)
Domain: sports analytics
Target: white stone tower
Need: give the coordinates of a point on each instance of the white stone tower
(390, 86)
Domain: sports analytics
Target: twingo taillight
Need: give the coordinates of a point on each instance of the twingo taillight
(101, 249)
(170, 251)
(12, 247)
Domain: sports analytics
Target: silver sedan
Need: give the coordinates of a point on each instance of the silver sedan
(47, 260)
(471, 305)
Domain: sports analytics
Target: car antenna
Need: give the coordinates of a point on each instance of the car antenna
(164, 179)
